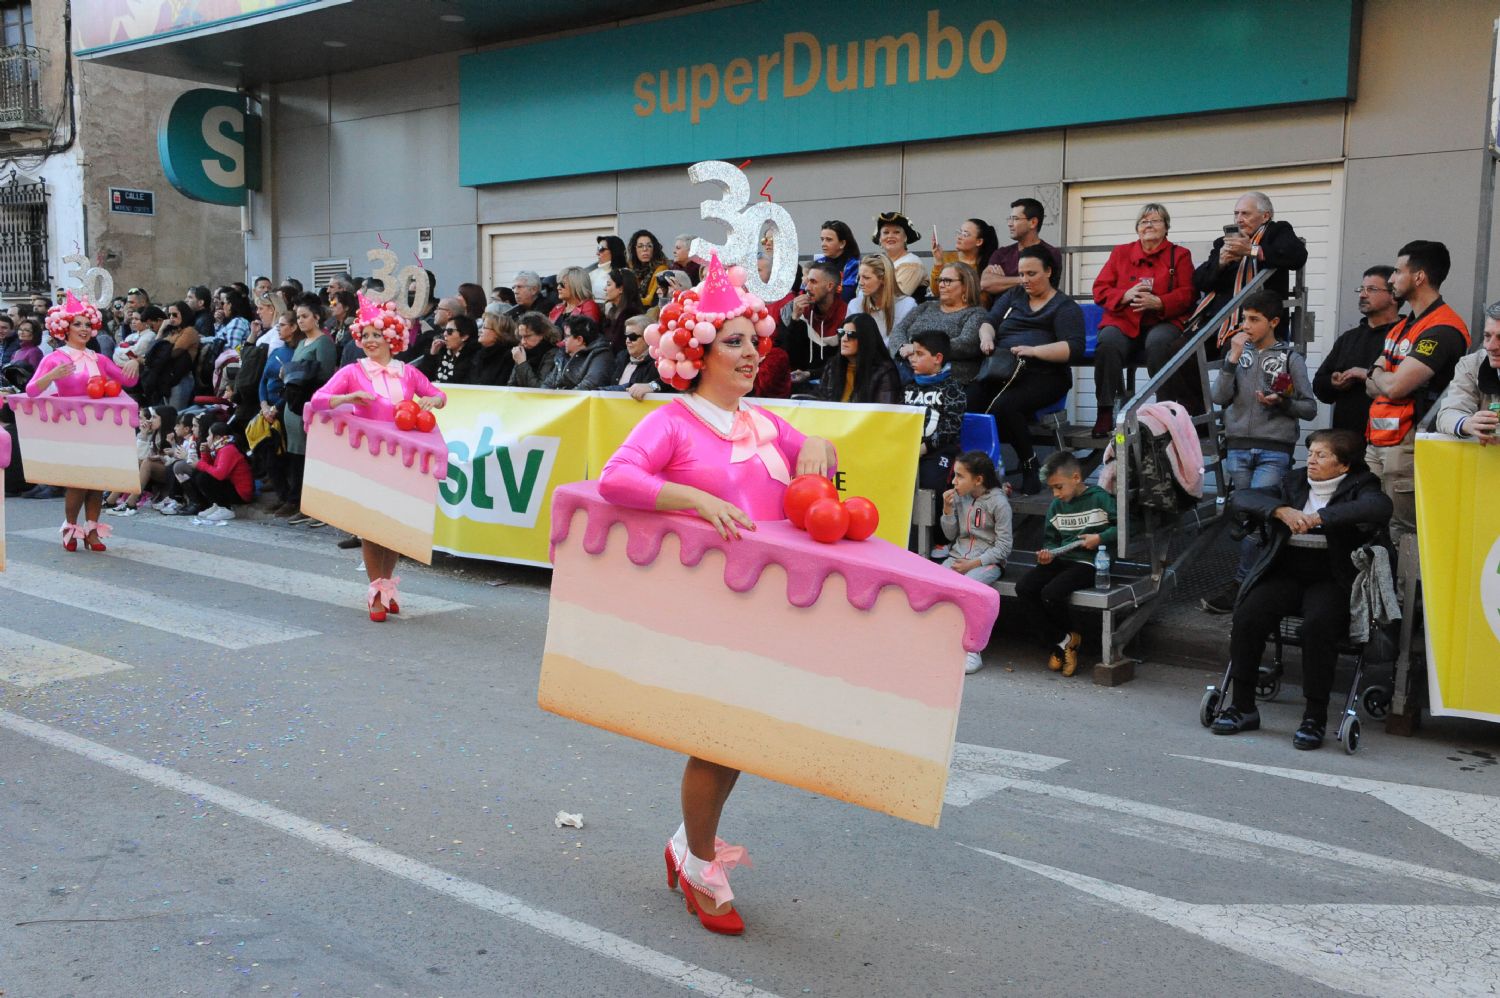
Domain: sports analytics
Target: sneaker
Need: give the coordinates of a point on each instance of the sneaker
(218, 514)
(348, 543)
(972, 663)
(1234, 720)
(191, 509)
(41, 492)
(315, 524)
(1070, 653)
(121, 511)
(1310, 734)
(145, 502)
(1224, 602)
(939, 553)
(208, 514)
(168, 507)
(299, 517)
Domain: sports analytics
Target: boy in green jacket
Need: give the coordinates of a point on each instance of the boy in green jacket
(1081, 518)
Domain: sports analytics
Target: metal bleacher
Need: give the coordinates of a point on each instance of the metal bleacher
(1153, 550)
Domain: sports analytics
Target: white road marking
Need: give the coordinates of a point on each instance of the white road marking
(215, 626)
(575, 933)
(320, 587)
(31, 661)
(1472, 820)
(1257, 836)
(287, 538)
(1380, 950)
(978, 771)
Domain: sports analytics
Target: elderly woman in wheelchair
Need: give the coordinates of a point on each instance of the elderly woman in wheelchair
(1314, 521)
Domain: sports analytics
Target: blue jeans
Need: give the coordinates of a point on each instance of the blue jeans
(985, 574)
(1254, 469)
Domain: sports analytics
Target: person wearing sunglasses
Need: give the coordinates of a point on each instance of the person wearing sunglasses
(634, 370)
(454, 361)
(862, 370)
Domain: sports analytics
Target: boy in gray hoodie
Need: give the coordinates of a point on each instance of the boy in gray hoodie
(1266, 393)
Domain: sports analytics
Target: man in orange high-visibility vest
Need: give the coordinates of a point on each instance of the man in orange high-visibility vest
(1414, 368)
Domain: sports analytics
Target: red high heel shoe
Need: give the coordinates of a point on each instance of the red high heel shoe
(380, 595)
(99, 530)
(729, 923)
(71, 534)
(393, 608)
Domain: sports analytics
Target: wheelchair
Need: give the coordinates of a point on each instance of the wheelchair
(1374, 699)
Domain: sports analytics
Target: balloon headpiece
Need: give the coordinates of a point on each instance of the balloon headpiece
(690, 322)
(61, 316)
(382, 316)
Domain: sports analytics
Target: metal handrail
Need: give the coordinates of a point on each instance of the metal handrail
(1127, 424)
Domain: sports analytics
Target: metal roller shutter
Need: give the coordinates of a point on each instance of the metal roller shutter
(545, 247)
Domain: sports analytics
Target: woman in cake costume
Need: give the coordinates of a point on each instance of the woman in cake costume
(711, 453)
(69, 371)
(375, 386)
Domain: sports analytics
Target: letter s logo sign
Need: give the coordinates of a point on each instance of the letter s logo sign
(230, 148)
(210, 147)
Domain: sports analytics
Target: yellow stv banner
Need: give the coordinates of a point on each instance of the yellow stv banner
(509, 448)
(1460, 550)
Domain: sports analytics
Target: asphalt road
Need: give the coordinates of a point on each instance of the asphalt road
(218, 778)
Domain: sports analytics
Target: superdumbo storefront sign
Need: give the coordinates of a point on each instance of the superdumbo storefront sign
(782, 76)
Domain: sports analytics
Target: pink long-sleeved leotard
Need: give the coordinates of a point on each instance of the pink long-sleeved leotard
(673, 444)
(406, 381)
(76, 383)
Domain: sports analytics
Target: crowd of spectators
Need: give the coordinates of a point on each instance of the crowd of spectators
(985, 329)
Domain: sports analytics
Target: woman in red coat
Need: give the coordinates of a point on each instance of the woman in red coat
(1146, 290)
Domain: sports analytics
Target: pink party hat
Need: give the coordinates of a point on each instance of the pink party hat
(717, 296)
(71, 304)
(368, 310)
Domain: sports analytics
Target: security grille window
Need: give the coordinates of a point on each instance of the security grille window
(21, 64)
(324, 271)
(23, 236)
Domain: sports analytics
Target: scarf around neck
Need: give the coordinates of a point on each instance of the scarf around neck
(1319, 493)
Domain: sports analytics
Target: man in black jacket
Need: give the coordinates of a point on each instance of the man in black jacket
(1340, 380)
(1235, 259)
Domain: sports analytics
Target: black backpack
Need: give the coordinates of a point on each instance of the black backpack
(1151, 480)
(203, 372)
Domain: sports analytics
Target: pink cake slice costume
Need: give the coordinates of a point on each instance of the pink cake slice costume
(72, 440)
(836, 668)
(363, 474)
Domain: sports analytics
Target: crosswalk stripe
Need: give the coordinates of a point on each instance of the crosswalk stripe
(215, 626)
(268, 535)
(32, 661)
(320, 587)
(979, 771)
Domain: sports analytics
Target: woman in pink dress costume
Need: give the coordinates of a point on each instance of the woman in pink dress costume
(374, 386)
(711, 453)
(67, 371)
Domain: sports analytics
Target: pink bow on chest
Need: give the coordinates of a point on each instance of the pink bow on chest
(85, 360)
(387, 380)
(753, 433)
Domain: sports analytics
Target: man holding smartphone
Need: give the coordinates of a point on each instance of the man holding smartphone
(1471, 405)
(1255, 240)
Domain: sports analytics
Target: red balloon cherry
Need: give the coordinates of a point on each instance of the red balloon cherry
(111, 388)
(803, 491)
(425, 421)
(404, 419)
(827, 521)
(408, 406)
(863, 518)
(95, 388)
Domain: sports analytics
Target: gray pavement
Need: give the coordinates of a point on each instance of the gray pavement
(368, 809)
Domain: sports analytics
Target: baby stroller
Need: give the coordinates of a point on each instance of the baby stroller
(1375, 699)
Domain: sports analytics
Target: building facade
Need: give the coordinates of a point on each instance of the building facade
(71, 133)
(511, 142)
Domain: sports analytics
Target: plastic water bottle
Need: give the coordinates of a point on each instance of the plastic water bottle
(1101, 568)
